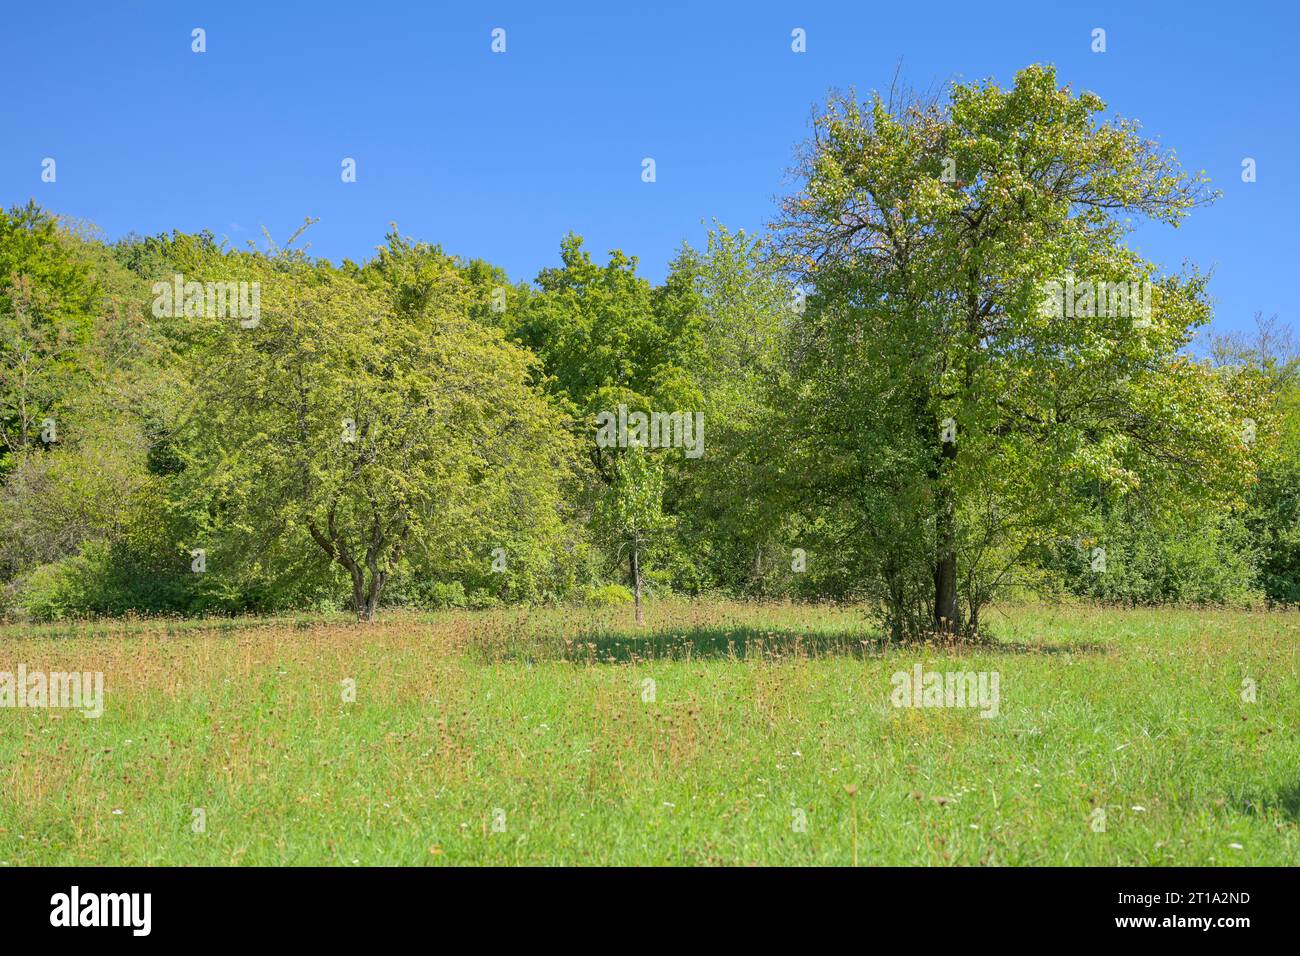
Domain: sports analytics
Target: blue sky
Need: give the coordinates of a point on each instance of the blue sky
(499, 155)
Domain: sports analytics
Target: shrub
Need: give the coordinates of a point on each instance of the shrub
(73, 586)
(442, 594)
(608, 595)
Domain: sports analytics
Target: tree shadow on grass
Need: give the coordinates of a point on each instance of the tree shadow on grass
(624, 646)
(718, 643)
(1020, 647)
(1285, 802)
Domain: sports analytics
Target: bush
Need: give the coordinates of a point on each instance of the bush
(102, 580)
(60, 589)
(446, 594)
(608, 595)
(1206, 562)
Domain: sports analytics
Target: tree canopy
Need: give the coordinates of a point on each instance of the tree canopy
(944, 374)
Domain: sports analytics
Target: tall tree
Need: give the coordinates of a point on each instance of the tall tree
(48, 299)
(733, 501)
(940, 382)
(631, 511)
(374, 417)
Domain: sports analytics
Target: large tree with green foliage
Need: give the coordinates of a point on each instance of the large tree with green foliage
(734, 502)
(630, 512)
(368, 414)
(950, 423)
(48, 298)
(606, 337)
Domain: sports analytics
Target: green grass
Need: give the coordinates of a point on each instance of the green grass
(759, 711)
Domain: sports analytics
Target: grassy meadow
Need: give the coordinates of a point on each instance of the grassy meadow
(767, 737)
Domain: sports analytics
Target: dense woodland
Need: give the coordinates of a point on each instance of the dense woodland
(889, 416)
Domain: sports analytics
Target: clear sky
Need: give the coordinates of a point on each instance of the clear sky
(499, 155)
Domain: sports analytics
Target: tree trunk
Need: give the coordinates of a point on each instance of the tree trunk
(946, 617)
(371, 607)
(636, 580)
(365, 600)
(945, 590)
(377, 580)
(358, 589)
